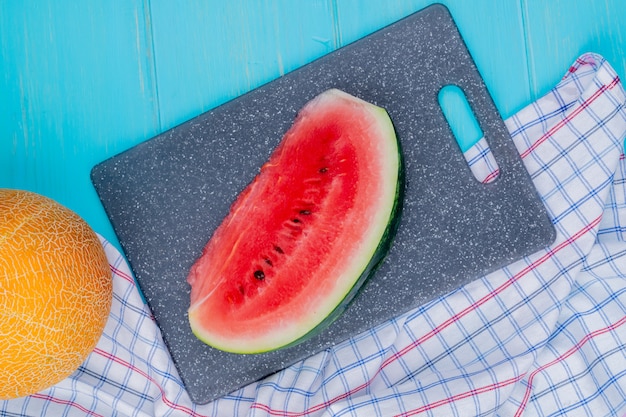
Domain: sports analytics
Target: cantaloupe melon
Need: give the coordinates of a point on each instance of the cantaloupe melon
(55, 292)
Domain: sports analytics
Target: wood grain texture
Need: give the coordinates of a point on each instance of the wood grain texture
(559, 31)
(81, 81)
(209, 52)
(76, 86)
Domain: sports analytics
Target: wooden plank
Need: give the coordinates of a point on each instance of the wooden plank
(77, 86)
(208, 52)
(559, 31)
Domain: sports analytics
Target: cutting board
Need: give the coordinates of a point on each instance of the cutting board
(167, 195)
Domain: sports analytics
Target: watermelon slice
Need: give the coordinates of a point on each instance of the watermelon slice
(302, 238)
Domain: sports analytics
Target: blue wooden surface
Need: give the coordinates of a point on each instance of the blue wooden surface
(81, 81)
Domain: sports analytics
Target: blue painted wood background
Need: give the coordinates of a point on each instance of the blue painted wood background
(83, 80)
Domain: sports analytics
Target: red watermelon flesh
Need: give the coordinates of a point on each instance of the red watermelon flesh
(303, 236)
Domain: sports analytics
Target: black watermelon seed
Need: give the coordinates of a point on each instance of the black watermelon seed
(258, 274)
(268, 261)
(278, 249)
(295, 220)
(323, 170)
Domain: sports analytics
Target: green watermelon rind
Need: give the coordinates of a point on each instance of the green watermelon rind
(374, 263)
(370, 264)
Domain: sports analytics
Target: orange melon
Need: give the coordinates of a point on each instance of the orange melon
(55, 292)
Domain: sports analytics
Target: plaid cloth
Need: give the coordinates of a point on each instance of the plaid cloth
(543, 336)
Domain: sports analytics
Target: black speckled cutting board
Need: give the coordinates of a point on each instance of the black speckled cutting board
(166, 196)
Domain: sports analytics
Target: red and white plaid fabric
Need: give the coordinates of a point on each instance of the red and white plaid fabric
(544, 336)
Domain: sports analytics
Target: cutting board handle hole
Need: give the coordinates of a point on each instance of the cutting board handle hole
(468, 134)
